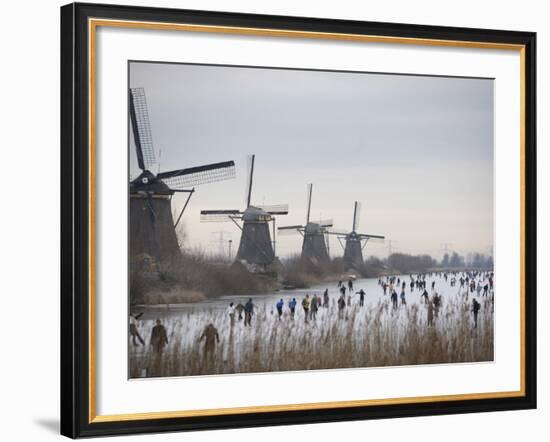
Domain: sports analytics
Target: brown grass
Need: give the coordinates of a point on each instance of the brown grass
(368, 337)
(302, 273)
(175, 295)
(193, 277)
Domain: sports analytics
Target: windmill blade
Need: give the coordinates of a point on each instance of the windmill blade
(356, 215)
(295, 227)
(194, 176)
(249, 179)
(309, 193)
(276, 209)
(368, 236)
(221, 212)
(337, 232)
(325, 223)
(219, 215)
(141, 128)
(289, 230)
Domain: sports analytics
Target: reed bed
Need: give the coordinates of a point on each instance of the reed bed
(376, 335)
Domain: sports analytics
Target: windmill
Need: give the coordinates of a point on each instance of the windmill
(355, 242)
(255, 247)
(314, 247)
(152, 228)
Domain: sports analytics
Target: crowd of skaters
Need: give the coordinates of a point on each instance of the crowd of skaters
(471, 282)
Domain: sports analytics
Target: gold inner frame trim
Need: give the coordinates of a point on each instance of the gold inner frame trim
(93, 24)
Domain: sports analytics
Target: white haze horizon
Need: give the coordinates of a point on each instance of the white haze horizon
(416, 151)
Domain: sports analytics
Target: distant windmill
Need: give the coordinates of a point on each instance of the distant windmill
(152, 229)
(255, 247)
(355, 242)
(314, 247)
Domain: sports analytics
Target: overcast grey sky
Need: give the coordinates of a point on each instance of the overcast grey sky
(416, 151)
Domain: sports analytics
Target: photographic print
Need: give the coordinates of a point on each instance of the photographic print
(287, 207)
(288, 219)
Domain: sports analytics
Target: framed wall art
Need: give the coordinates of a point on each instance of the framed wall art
(273, 220)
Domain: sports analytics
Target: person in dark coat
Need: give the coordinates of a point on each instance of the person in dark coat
(424, 297)
(240, 310)
(279, 306)
(325, 299)
(292, 307)
(394, 299)
(403, 299)
(248, 312)
(341, 306)
(211, 338)
(159, 338)
(361, 294)
(475, 310)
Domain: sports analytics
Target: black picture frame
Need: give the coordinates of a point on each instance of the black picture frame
(75, 220)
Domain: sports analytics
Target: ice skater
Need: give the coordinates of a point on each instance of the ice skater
(248, 312)
(361, 294)
(475, 310)
(341, 306)
(134, 333)
(305, 305)
(279, 307)
(326, 299)
(231, 314)
(292, 306)
(394, 299)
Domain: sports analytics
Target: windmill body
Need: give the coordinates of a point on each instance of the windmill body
(152, 230)
(355, 242)
(256, 244)
(353, 251)
(314, 247)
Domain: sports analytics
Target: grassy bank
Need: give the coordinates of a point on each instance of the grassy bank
(191, 278)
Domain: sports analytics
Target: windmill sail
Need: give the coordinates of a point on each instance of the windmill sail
(368, 236)
(295, 227)
(141, 127)
(249, 179)
(194, 176)
(356, 215)
(309, 193)
(152, 228)
(325, 223)
(219, 215)
(337, 232)
(276, 209)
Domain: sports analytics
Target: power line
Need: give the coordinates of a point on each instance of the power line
(221, 240)
(390, 243)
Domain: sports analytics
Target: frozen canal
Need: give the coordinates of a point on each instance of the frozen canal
(374, 294)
